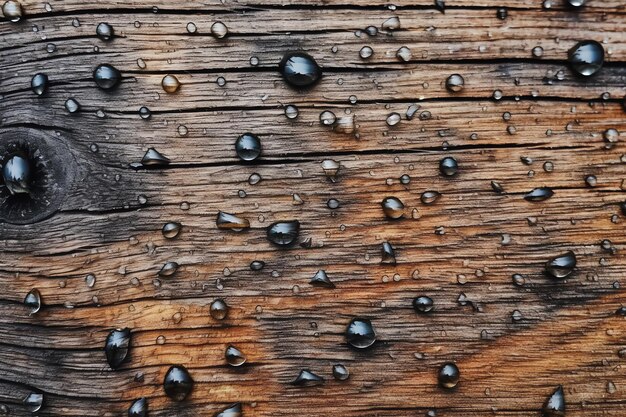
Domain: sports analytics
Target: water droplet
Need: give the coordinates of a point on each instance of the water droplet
(34, 402)
(33, 301)
(404, 54)
(171, 229)
(248, 147)
(283, 233)
(555, 404)
(153, 158)
(105, 31)
(611, 136)
(107, 77)
(497, 95)
(502, 13)
(539, 194)
(234, 357)
(423, 304)
(168, 269)
(71, 105)
(17, 174)
(170, 84)
(518, 280)
(391, 24)
(256, 265)
(307, 378)
(455, 83)
(586, 57)
(191, 28)
(388, 254)
(39, 83)
(440, 5)
(429, 197)
(576, 3)
(562, 265)
(393, 119)
(340, 372)
(233, 410)
(300, 70)
(360, 333)
(139, 408)
(448, 166)
(591, 180)
(228, 221)
(327, 118)
(177, 383)
(332, 203)
(320, 279)
(254, 179)
(393, 207)
(611, 388)
(291, 111)
(331, 169)
(12, 10)
(117, 346)
(219, 309)
(449, 375)
(366, 52)
(90, 280)
(219, 30)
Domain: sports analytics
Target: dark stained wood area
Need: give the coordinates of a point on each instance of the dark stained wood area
(89, 236)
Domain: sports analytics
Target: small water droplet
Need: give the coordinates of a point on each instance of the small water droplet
(291, 111)
(455, 83)
(539, 194)
(448, 166)
(71, 105)
(404, 54)
(248, 147)
(555, 404)
(229, 221)
(366, 52)
(321, 279)
(192, 28)
(107, 77)
(423, 304)
(34, 402)
(33, 301)
(90, 280)
(168, 269)
(300, 70)
(393, 207)
(139, 408)
(233, 410)
(393, 119)
(153, 158)
(39, 83)
(219, 30)
(429, 197)
(307, 378)
(283, 233)
(327, 118)
(391, 24)
(219, 309)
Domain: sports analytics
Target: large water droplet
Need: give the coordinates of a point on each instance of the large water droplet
(291, 111)
(562, 265)
(233, 410)
(327, 118)
(429, 197)
(300, 69)
(231, 222)
(17, 174)
(393, 119)
(218, 309)
(105, 31)
(116, 347)
(12, 10)
(171, 230)
(168, 269)
(360, 333)
(170, 84)
(307, 378)
(33, 301)
(248, 147)
(449, 375)
(177, 383)
(555, 404)
(154, 158)
(283, 233)
(576, 3)
(39, 83)
(139, 408)
(393, 207)
(366, 52)
(448, 166)
(423, 304)
(321, 279)
(219, 30)
(586, 57)
(34, 402)
(107, 77)
(234, 357)
(404, 54)
(539, 194)
(455, 83)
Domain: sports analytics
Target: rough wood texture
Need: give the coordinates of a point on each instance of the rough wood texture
(513, 344)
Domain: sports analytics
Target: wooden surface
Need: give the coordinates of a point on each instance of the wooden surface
(513, 344)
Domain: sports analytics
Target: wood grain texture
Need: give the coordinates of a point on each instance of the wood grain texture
(513, 344)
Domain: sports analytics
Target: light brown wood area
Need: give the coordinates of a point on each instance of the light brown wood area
(523, 120)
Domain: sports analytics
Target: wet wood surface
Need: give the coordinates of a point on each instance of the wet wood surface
(514, 344)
